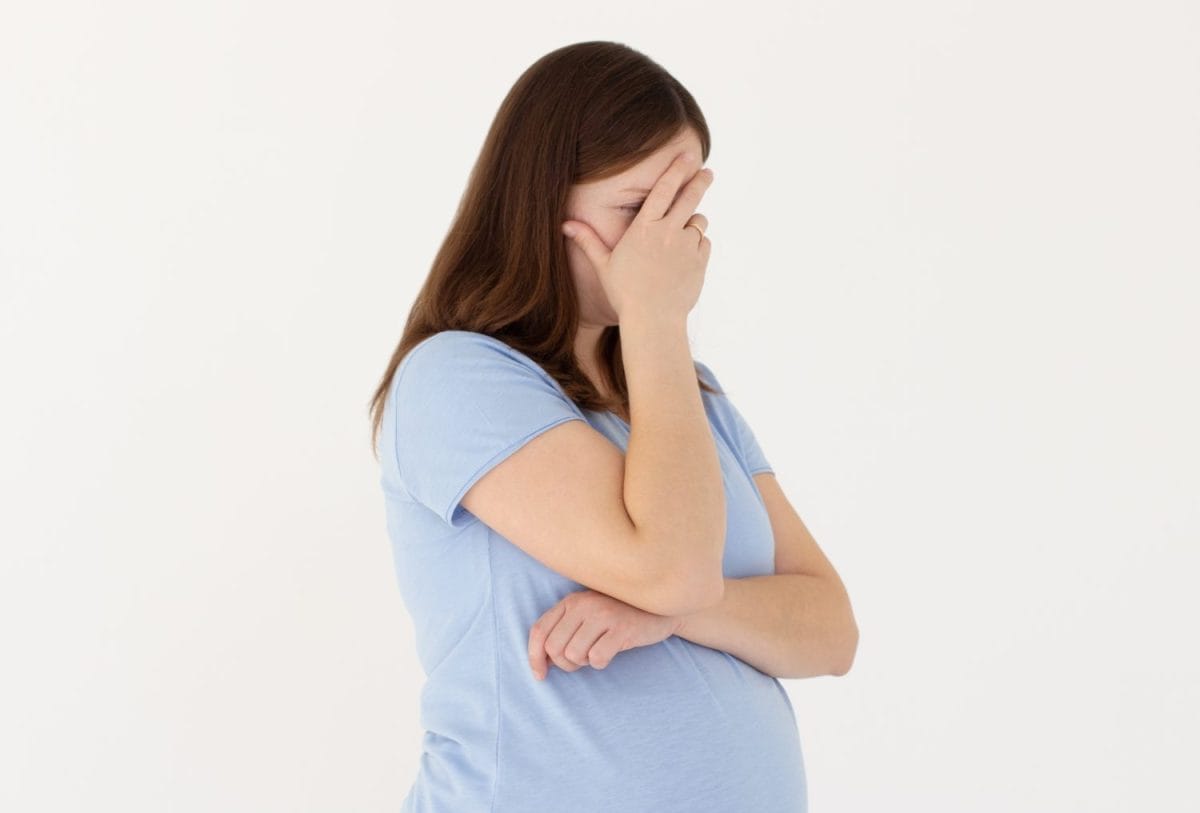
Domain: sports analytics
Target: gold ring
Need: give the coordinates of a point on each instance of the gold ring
(697, 228)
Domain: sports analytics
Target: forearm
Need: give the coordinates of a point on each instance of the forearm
(673, 489)
(788, 625)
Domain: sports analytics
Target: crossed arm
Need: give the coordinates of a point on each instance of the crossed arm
(794, 623)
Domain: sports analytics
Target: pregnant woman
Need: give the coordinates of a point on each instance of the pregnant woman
(604, 576)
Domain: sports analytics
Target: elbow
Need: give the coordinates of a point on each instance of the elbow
(675, 587)
(847, 651)
(698, 592)
(704, 591)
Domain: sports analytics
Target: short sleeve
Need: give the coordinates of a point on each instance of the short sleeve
(464, 402)
(752, 453)
(756, 461)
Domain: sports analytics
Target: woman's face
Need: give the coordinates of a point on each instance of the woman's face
(609, 206)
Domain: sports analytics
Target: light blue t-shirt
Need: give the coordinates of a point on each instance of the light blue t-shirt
(675, 727)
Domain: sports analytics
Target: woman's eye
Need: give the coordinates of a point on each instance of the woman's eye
(635, 207)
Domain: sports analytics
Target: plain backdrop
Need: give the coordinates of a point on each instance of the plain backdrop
(953, 288)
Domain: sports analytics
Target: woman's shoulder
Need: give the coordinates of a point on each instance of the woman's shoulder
(454, 358)
(458, 340)
(456, 347)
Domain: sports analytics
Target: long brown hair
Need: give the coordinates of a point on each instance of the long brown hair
(583, 112)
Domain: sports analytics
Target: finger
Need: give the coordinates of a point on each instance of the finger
(537, 639)
(578, 649)
(658, 201)
(589, 242)
(606, 648)
(685, 205)
(557, 640)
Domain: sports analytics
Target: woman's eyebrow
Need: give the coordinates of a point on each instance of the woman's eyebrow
(635, 189)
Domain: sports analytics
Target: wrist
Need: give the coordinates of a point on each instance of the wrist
(635, 320)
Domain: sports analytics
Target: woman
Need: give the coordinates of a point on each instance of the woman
(566, 487)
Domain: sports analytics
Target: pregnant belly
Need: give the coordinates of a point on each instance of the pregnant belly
(674, 726)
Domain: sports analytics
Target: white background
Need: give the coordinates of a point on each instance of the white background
(953, 288)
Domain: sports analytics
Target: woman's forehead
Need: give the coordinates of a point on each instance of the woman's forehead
(639, 178)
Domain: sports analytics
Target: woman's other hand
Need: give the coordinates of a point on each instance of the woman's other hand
(589, 628)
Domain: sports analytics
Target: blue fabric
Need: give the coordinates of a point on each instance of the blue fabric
(671, 727)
